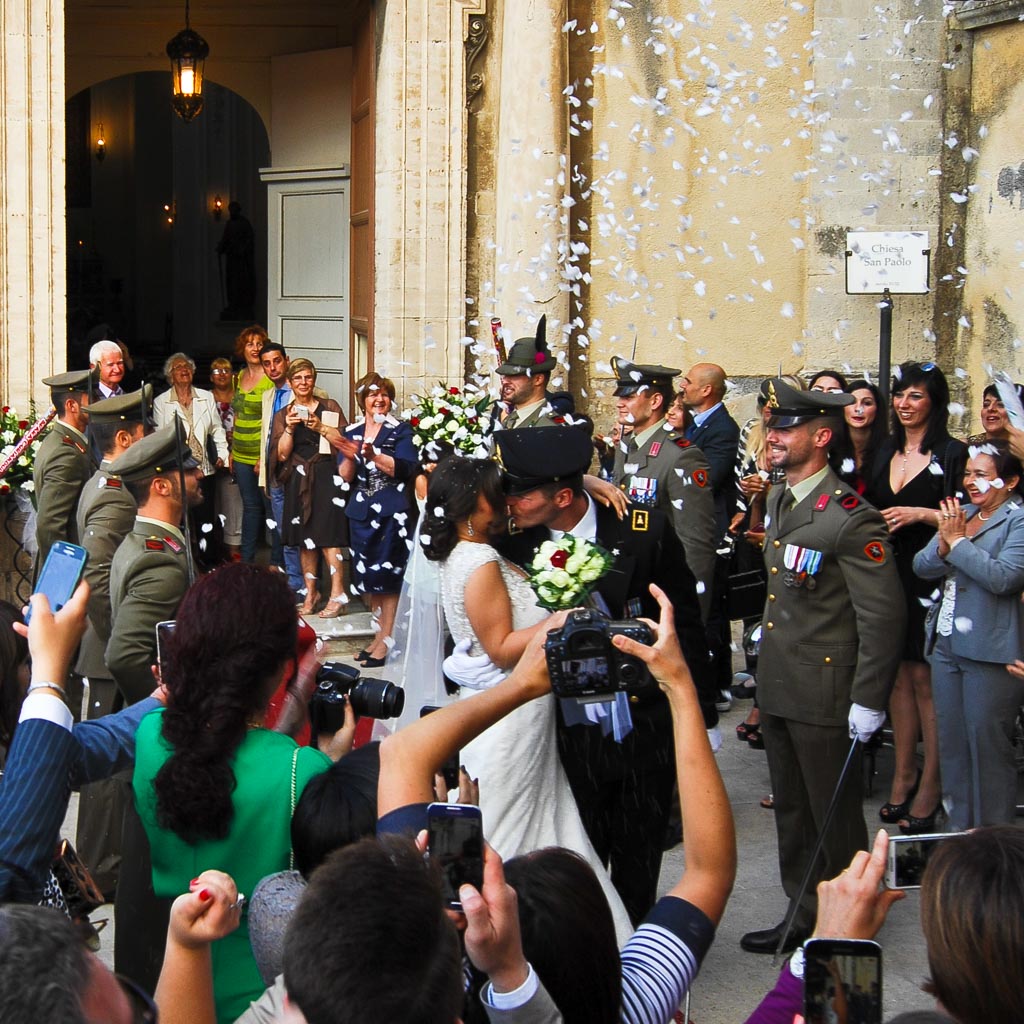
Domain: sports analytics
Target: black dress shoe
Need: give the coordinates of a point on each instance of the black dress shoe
(373, 662)
(767, 941)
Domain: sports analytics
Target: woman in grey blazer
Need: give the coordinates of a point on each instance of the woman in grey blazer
(972, 633)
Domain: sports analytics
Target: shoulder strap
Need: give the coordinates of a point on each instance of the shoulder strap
(291, 851)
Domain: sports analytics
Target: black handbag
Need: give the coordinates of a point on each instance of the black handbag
(748, 582)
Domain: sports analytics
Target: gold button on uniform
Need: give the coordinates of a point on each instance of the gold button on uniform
(771, 597)
(828, 661)
(777, 543)
(775, 571)
(771, 625)
(634, 699)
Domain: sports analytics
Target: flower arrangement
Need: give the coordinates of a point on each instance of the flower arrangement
(19, 475)
(452, 415)
(564, 572)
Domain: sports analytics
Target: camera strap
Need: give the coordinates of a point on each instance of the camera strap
(612, 716)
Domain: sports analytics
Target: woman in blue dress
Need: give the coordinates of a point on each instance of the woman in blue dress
(380, 462)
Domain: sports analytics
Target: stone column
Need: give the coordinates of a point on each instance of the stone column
(32, 240)
(420, 258)
(532, 176)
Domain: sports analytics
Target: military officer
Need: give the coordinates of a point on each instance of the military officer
(63, 463)
(106, 514)
(658, 468)
(623, 789)
(831, 642)
(149, 574)
(524, 381)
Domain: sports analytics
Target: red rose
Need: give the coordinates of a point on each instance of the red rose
(23, 424)
(7, 409)
(453, 391)
(444, 412)
(5, 487)
(559, 558)
(414, 421)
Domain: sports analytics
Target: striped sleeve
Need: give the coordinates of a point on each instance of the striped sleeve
(661, 960)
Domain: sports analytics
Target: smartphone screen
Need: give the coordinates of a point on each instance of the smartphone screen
(842, 981)
(455, 839)
(61, 572)
(908, 857)
(164, 631)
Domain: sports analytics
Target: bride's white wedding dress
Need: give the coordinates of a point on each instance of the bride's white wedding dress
(524, 794)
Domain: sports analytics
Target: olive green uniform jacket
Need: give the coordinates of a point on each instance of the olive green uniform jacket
(62, 467)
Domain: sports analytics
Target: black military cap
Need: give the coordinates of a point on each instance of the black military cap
(156, 455)
(122, 407)
(534, 456)
(633, 377)
(529, 355)
(73, 380)
(790, 407)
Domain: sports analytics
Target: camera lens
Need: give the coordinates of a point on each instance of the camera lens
(629, 673)
(377, 698)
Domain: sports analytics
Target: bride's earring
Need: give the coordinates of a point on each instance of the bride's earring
(469, 527)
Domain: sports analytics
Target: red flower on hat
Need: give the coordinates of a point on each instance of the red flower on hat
(539, 357)
(559, 558)
(453, 391)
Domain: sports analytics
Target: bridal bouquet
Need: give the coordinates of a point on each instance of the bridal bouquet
(452, 415)
(564, 572)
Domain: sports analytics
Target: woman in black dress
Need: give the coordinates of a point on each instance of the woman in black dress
(305, 465)
(915, 468)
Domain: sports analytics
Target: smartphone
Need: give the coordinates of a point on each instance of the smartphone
(908, 856)
(302, 412)
(61, 573)
(450, 769)
(164, 631)
(455, 839)
(842, 981)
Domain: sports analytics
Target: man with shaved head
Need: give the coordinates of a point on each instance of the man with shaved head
(716, 434)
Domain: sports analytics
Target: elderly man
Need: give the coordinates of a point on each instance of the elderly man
(106, 360)
(831, 642)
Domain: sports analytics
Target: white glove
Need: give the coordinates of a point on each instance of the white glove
(864, 722)
(476, 673)
(715, 739)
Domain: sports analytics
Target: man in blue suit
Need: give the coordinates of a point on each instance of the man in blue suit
(50, 756)
(716, 434)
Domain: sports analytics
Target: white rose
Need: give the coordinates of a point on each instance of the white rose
(560, 578)
(588, 575)
(575, 563)
(28, 485)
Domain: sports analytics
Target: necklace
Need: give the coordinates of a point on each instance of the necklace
(985, 518)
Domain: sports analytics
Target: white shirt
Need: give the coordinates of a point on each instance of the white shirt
(585, 529)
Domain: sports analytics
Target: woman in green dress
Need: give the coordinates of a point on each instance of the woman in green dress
(213, 787)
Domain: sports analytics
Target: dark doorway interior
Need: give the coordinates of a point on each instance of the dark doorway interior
(142, 224)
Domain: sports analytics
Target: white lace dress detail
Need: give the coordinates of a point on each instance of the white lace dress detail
(524, 794)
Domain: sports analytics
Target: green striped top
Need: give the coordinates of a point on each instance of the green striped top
(248, 406)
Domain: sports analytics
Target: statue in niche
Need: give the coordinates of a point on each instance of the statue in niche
(237, 254)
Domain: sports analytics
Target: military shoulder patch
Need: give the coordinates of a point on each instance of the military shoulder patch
(173, 544)
(154, 544)
(700, 476)
(71, 442)
(113, 481)
(822, 503)
(655, 448)
(681, 442)
(875, 551)
(641, 520)
(849, 502)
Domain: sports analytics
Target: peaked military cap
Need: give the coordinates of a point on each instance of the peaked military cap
(133, 407)
(534, 456)
(790, 407)
(529, 355)
(632, 377)
(73, 380)
(157, 455)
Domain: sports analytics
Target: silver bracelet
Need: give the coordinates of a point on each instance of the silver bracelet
(50, 686)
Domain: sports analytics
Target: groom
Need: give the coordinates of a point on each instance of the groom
(624, 790)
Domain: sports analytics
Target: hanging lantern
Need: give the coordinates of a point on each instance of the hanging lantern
(188, 51)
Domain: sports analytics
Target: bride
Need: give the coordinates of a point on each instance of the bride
(524, 794)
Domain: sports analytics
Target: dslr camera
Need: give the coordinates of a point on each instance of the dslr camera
(337, 683)
(583, 663)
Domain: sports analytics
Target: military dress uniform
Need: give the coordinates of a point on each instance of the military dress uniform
(62, 467)
(669, 473)
(528, 356)
(831, 637)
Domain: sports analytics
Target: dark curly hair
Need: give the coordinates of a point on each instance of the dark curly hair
(453, 489)
(235, 629)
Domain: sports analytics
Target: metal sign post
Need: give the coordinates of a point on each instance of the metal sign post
(887, 263)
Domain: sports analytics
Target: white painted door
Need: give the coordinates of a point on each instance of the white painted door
(308, 271)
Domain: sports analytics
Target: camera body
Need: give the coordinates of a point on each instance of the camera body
(585, 665)
(337, 683)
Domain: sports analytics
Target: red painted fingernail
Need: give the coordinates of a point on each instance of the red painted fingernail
(195, 881)
(204, 895)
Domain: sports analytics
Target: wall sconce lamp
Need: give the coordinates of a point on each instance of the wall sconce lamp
(188, 51)
(101, 143)
(218, 207)
(169, 213)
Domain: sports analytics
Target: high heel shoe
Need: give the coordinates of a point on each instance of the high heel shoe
(893, 813)
(747, 729)
(920, 826)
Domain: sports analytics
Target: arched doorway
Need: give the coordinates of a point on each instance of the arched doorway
(143, 222)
